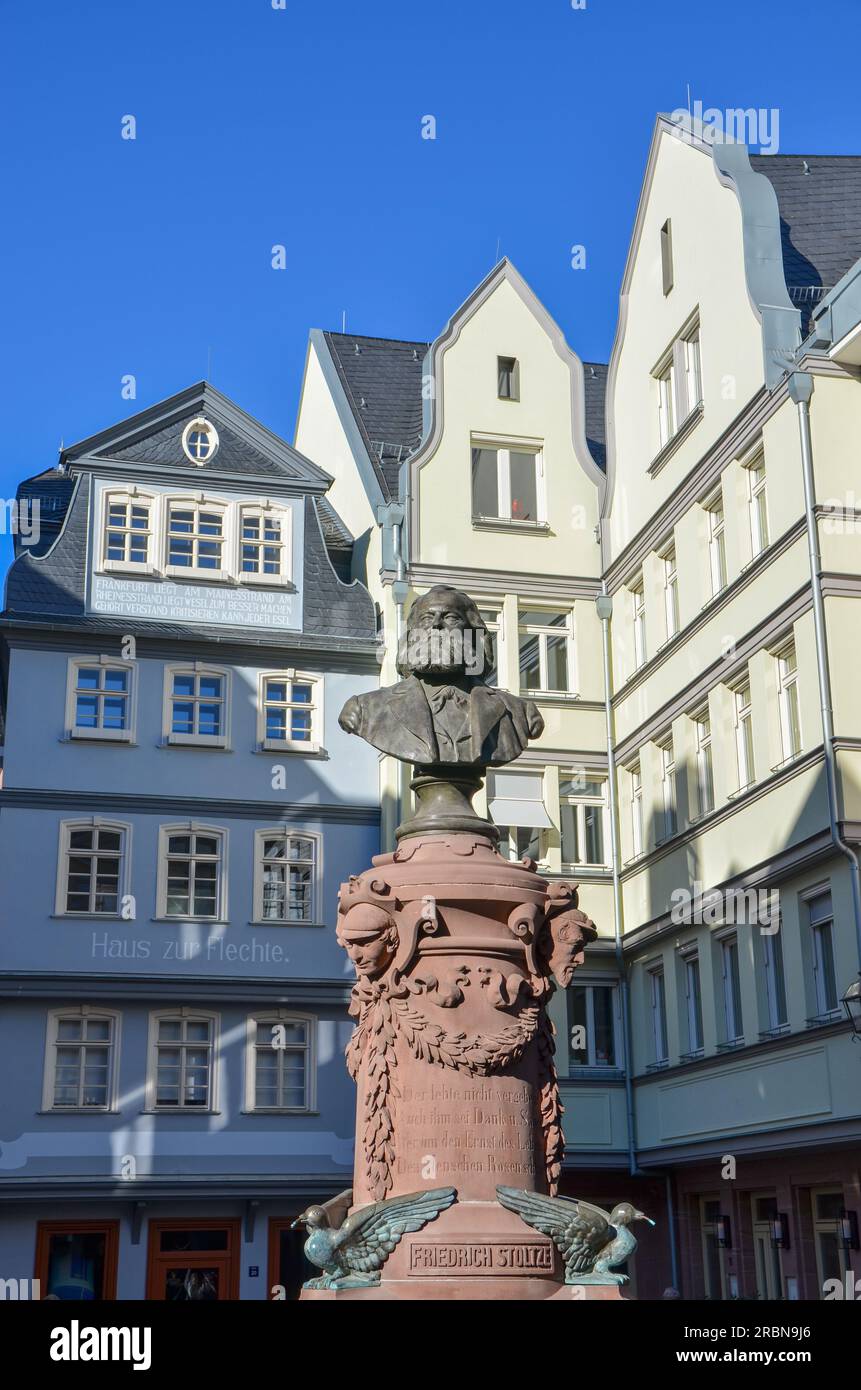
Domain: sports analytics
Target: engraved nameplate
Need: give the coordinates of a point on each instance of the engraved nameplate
(481, 1257)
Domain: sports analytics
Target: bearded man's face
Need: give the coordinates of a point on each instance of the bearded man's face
(439, 640)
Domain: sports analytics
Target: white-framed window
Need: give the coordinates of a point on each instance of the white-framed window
(265, 545)
(192, 872)
(790, 717)
(744, 736)
(200, 440)
(546, 643)
(734, 1028)
(290, 711)
(99, 699)
(668, 789)
(81, 1059)
(593, 1012)
(658, 1010)
(92, 874)
(196, 705)
(705, 770)
(757, 504)
(196, 538)
(638, 619)
(678, 380)
(286, 876)
(832, 1258)
(494, 621)
(671, 592)
(693, 1002)
(128, 530)
(280, 1062)
(666, 379)
(717, 544)
(508, 482)
(182, 1060)
(508, 378)
(775, 980)
(583, 819)
(516, 807)
(820, 916)
(636, 786)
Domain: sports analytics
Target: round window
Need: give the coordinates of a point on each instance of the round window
(199, 440)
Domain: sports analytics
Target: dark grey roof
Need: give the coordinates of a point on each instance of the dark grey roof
(53, 580)
(332, 607)
(234, 454)
(53, 490)
(153, 437)
(819, 197)
(382, 380)
(595, 392)
(335, 532)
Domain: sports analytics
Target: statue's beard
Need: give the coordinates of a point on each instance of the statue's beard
(435, 653)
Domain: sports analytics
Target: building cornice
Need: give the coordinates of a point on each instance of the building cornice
(250, 989)
(219, 808)
(527, 585)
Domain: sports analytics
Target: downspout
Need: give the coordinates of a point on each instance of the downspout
(604, 606)
(800, 386)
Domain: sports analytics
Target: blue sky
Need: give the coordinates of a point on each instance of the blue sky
(259, 126)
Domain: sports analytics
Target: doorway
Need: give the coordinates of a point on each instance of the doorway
(193, 1261)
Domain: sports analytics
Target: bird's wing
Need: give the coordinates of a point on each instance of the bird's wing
(337, 1207)
(369, 1235)
(577, 1229)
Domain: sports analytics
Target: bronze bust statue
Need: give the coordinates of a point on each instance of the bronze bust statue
(443, 711)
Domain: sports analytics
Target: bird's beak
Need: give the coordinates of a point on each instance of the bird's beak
(642, 1217)
(297, 1222)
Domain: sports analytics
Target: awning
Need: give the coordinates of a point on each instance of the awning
(518, 799)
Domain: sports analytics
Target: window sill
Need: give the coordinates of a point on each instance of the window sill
(561, 697)
(184, 1110)
(787, 762)
(275, 745)
(740, 791)
(198, 575)
(128, 569)
(567, 868)
(776, 1032)
(81, 1110)
(192, 921)
(733, 1046)
(89, 917)
(822, 1020)
(657, 1066)
(279, 1110)
(98, 736)
(696, 1056)
(277, 922)
(667, 450)
(267, 581)
(502, 523)
(196, 741)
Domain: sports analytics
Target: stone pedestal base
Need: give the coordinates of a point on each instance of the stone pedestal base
(459, 1290)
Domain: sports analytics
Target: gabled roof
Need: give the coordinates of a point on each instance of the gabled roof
(152, 438)
(819, 198)
(382, 381)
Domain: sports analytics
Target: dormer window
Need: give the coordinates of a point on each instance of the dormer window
(264, 545)
(127, 530)
(195, 538)
(508, 378)
(199, 440)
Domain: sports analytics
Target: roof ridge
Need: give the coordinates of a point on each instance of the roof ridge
(377, 338)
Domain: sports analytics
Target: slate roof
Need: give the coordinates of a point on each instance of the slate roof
(53, 587)
(383, 386)
(595, 392)
(53, 490)
(382, 380)
(820, 220)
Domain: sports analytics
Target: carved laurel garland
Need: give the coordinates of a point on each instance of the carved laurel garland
(382, 1015)
(549, 1106)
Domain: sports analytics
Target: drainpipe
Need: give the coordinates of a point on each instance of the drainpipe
(800, 390)
(604, 605)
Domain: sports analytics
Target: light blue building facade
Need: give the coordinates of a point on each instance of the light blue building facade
(179, 807)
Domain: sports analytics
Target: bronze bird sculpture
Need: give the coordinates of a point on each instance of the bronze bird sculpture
(590, 1240)
(352, 1254)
